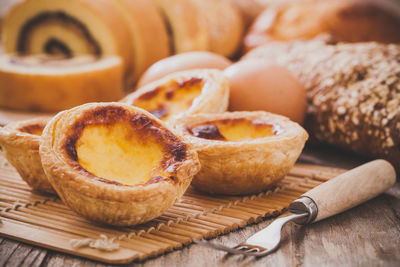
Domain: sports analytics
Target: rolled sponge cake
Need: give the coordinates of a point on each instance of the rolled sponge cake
(49, 83)
(149, 38)
(67, 28)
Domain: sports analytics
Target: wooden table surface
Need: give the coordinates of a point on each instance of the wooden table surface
(368, 235)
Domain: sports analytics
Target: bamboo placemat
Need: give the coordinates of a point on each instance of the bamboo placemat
(45, 221)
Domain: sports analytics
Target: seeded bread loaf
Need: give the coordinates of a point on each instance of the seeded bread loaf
(353, 92)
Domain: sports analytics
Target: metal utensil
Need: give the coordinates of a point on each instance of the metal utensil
(330, 198)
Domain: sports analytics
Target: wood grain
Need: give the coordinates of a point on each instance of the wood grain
(352, 188)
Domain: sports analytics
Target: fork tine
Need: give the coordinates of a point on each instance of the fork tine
(244, 249)
(253, 250)
(248, 252)
(260, 244)
(241, 247)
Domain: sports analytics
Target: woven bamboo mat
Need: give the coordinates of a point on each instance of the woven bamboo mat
(45, 221)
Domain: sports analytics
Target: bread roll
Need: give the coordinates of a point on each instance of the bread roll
(44, 83)
(187, 28)
(67, 27)
(149, 37)
(250, 9)
(344, 20)
(353, 92)
(224, 25)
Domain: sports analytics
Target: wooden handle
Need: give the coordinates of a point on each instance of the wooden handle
(352, 188)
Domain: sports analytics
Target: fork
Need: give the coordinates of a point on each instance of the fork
(330, 198)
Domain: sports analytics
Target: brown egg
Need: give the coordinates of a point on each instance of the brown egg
(184, 61)
(257, 84)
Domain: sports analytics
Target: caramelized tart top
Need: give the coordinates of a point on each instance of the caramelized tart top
(183, 93)
(32, 127)
(234, 129)
(114, 145)
(171, 98)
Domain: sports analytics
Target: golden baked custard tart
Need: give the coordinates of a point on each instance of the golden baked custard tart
(115, 163)
(186, 92)
(20, 144)
(241, 152)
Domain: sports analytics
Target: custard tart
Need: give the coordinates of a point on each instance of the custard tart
(185, 92)
(241, 152)
(115, 163)
(20, 144)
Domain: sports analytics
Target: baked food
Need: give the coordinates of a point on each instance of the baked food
(250, 9)
(51, 83)
(149, 37)
(123, 27)
(114, 163)
(185, 92)
(68, 28)
(187, 28)
(344, 20)
(20, 144)
(126, 28)
(353, 92)
(181, 62)
(241, 152)
(224, 24)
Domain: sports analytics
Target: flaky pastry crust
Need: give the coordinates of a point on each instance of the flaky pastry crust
(246, 166)
(214, 94)
(101, 199)
(20, 143)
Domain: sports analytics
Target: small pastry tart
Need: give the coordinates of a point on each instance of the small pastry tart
(116, 164)
(20, 143)
(53, 83)
(186, 92)
(241, 152)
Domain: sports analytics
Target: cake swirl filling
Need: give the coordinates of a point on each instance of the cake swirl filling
(44, 33)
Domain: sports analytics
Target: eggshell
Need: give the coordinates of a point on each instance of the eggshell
(184, 61)
(257, 84)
